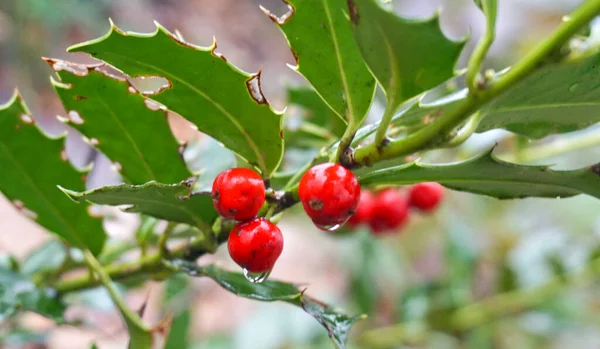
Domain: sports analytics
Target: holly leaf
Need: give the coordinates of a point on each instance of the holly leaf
(220, 99)
(32, 166)
(406, 56)
(320, 37)
(487, 175)
(172, 202)
(337, 324)
(557, 98)
(320, 125)
(108, 110)
(17, 292)
(535, 107)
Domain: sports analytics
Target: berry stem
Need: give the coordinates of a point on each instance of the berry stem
(536, 59)
(489, 8)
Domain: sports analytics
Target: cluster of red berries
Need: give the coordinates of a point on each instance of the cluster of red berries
(330, 195)
(388, 210)
(254, 243)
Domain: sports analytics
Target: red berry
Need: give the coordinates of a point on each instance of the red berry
(238, 193)
(365, 209)
(390, 212)
(329, 194)
(255, 245)
(426, 196)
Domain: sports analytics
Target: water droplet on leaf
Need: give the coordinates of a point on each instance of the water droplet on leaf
(256, 278)
(573, 87)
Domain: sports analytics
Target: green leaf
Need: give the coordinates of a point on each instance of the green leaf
(535, 107)
(48, 257)
(337, 325)
(109, 110)
(32, 166)
(320, 37)
(17, 292)
(319, 127)
(487, 175)
(172, 202)
(406, 56)
(176, 296)
(558, 98)
(221, 100)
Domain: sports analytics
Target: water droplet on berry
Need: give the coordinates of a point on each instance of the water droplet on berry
(256, 278)
(331, 227)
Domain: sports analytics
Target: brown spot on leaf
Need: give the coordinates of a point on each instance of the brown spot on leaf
(354, 15)
(80, 98)
(281, 134)
(284, 18)
(73, 68)
(17, 126)
(253, 85)
(295, 54)
(181, 148)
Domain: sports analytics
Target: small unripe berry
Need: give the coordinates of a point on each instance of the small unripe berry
(238, 193)
(390, 212)
(426, 196)
(255, 245)
(329, 194)
(366, 206)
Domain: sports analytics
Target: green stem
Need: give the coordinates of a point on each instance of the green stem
(557, 147)
(474, 67)
(429, 135)
(162, 242)
(345, 143)
(386, 119)
(466, 131)
(131, 318)
(149, 266)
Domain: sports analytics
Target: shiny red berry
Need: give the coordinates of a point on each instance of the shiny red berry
(255, 245)
(366, 206)
(426, 196)
(238, 193)
(329, 194)
(390, 212)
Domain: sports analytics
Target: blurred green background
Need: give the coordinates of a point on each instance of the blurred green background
(473, 248)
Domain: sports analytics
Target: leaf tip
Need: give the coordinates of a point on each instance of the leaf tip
(212, 49)
(73, 195)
